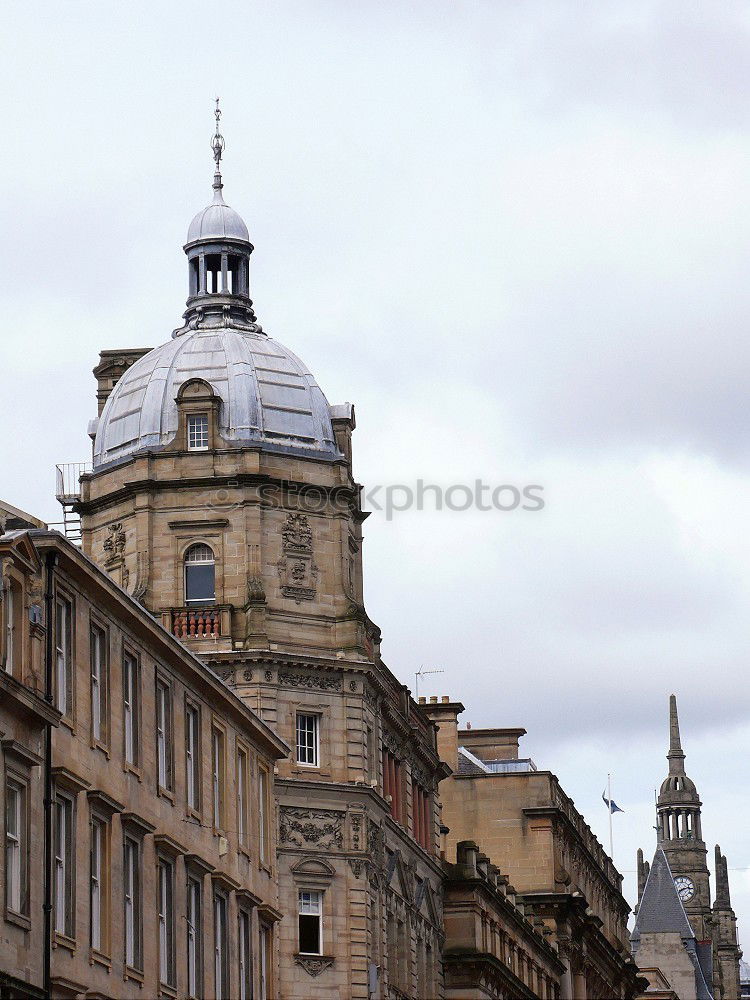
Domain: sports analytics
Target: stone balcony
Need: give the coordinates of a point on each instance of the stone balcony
(201, 624)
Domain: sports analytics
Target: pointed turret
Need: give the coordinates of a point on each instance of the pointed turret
(727, 952)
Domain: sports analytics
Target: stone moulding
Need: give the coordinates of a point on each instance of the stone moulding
(311, 681)
(314, 964)
(302, 827)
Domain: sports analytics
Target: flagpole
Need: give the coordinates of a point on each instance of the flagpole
(609, 804)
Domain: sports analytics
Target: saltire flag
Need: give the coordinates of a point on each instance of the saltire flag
(613, 806)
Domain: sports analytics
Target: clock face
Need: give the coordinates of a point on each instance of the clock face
(685, 888)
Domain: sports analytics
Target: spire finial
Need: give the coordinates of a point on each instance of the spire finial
(217, 145)
(675, 755)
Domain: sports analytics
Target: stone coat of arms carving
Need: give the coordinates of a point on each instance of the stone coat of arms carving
(297, 571)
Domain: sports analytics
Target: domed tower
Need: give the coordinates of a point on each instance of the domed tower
(222, 498)
(222, 494)
(679, 834)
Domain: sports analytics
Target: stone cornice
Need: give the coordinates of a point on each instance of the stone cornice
(348, 492)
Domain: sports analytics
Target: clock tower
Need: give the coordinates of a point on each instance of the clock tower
(675, 918)
(679, 834)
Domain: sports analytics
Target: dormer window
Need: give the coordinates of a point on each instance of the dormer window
(197, 432)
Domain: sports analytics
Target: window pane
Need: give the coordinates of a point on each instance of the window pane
(307, 739)
(197, 431)
(200, 582)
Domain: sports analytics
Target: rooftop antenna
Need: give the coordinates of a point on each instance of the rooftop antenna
(422, 673)
(217, 145)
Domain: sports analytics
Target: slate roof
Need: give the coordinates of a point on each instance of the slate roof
(660, 911)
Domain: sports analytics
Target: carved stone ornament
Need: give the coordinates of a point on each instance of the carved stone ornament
(297, 571)
(255, 591)
(114, 543)
(302, 827)
(319, 682)
(314, 965)
(297, 534)
(357, 865)
(142, 570)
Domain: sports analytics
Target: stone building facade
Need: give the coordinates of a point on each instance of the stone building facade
(26, 720)
(163, 876)
(529, 827)
(492, 949)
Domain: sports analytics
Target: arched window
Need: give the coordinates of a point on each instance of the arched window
(200, 575)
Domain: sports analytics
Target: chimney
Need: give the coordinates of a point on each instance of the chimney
(444, 714)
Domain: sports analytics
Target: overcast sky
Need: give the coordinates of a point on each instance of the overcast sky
(516, 236)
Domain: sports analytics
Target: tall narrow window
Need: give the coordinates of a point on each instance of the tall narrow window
(263, 817)
(166, 922)
(244, 955)
(98, 648)
(131, 878)
(221, 950)
(12, 637)
(217, 776)
(308, 739)
(192, 755)
(96, 890)
(264, 961)
(164, 735)
(197, 430)
(63, 668)
(310, 922)
(63, 881)
(131, 707)
(194, 938)
(242, 775)
(15, 847)
(200, 575)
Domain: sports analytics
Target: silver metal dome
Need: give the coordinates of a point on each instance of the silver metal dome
(218, 221)
(268, 397)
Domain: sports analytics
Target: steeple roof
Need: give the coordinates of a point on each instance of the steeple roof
(660, 909)
(676, 786)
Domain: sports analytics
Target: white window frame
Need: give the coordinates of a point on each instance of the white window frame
(192, 755)
(15, 794)
(218, 753)
(131, 891)
(166, 922)
(310, 904)
(221, 950)
(197, 431)
(164, 734)
(63, 881)
(96, 875)
(265, 958)
(192, 559)
(263, 819)
(194, 936)
(244, 953)
(308, 739)
(98, 657)
(63, 643)
(242, 787)
(130, 707)
(10, 626)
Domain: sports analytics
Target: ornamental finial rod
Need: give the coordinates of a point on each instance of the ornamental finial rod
(217, 145)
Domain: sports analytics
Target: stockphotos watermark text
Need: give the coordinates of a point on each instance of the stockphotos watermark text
(399, 497)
